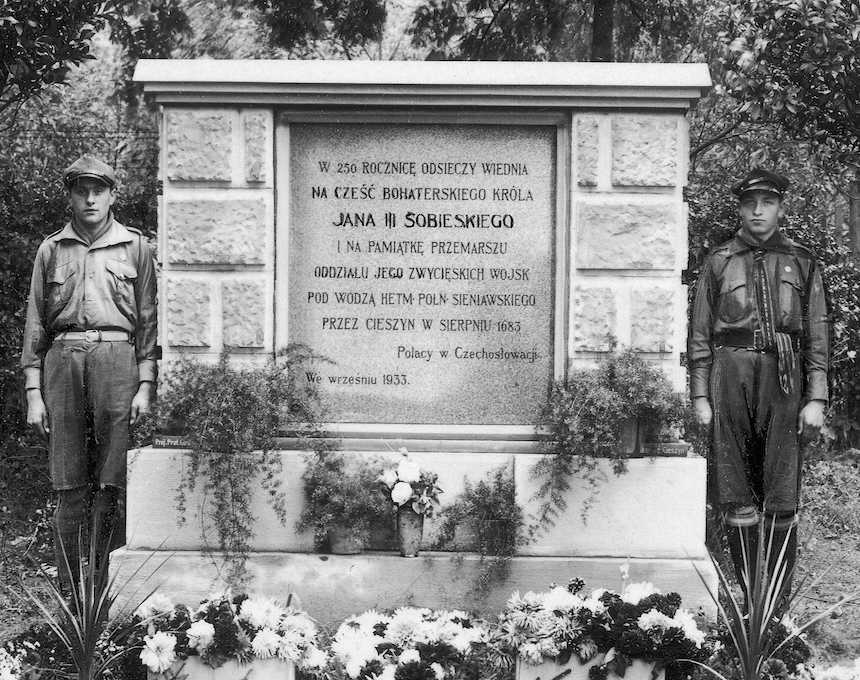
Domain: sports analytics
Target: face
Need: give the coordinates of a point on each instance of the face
(760, 212)
(91, 201)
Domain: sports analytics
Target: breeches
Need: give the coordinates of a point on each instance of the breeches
(756, 446)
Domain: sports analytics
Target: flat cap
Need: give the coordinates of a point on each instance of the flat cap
(759, 179)
(89, 166)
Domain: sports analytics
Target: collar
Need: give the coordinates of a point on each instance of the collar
(116, 233)
(778, 242)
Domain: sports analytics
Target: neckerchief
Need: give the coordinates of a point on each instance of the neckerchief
(773, 340)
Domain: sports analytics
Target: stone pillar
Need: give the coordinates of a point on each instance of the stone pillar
(216, 231)
(629, 236)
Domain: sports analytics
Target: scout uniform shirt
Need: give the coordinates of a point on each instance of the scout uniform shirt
(727, 307)
(107, 285)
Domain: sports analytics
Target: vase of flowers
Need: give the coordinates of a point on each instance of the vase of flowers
(415, 494)
(603, 634)
(410, 530)
(225, 632)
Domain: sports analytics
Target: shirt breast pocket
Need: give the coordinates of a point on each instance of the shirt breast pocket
(61, 283)
(734, 303)
(121, 279)
(791, 294)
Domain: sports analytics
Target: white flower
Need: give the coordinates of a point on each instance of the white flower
(355, 648)
(10, 666)
(687, 623)
(261, 613)
(408, 471)
(155, 605)
(401, 493)
(653, 619)
(561, 600)
(388, 673)
(852, 353)
(291, 645)
(314, 658)
(266, 643)
(200, 635)
(157, 653)
(409, 656)
(438, 670)
(405, 627)
(635, 592)
(389, 477)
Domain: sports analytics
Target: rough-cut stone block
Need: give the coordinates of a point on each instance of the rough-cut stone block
(652, 319)
(587, 146)
(593, 319)
(626, 235)
(644, 151)
(256, 129)
(188, 313)
(243, 307)
(216, 232)
(199, 145)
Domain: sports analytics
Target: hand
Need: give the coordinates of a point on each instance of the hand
(811, 420)
(140, 403)
(703, 410)
(37, 413)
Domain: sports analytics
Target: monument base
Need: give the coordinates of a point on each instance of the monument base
(334, 587)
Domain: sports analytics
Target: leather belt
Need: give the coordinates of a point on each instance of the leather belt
(95, 336)
(753, 340)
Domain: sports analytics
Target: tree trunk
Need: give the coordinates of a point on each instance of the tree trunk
(601, 30)
(854, 215)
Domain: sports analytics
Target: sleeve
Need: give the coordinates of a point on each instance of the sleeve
(146, 299)
(35, 327)
(700, 353)
(816, 341)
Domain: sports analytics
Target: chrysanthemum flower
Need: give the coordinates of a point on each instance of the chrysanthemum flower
(158, 652)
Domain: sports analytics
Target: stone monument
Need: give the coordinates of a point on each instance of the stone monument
(453, 236)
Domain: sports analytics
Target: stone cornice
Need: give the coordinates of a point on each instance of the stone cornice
(376, 84)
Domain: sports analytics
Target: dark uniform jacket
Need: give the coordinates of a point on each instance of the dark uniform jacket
(725, 304)
(108, 285)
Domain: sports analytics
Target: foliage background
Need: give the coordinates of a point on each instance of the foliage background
(786, 95)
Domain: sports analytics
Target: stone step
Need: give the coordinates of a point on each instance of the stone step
(333, 587)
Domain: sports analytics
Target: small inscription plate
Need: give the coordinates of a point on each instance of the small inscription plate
(421, 264)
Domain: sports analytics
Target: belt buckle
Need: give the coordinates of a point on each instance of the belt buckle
(93, 335)
(758, 339)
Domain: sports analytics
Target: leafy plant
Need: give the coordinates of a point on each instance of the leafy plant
(758, 635)
(586, 416)
(81, 620)
(490, 511)
(486, 518)
(341, 491)
(230, 418)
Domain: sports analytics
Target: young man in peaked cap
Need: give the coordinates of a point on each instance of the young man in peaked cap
(89, 356)
(758, 359)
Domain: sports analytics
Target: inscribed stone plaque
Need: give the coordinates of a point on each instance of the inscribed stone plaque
(421, 264)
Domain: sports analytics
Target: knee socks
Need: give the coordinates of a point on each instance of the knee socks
(70, 533)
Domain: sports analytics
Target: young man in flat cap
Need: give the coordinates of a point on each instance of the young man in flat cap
(758, 360)
(89, 356)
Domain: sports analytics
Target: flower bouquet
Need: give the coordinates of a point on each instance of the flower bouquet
(416, 495)
(410, 486)
(408, 644)
(225, 629)
(603, 632)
